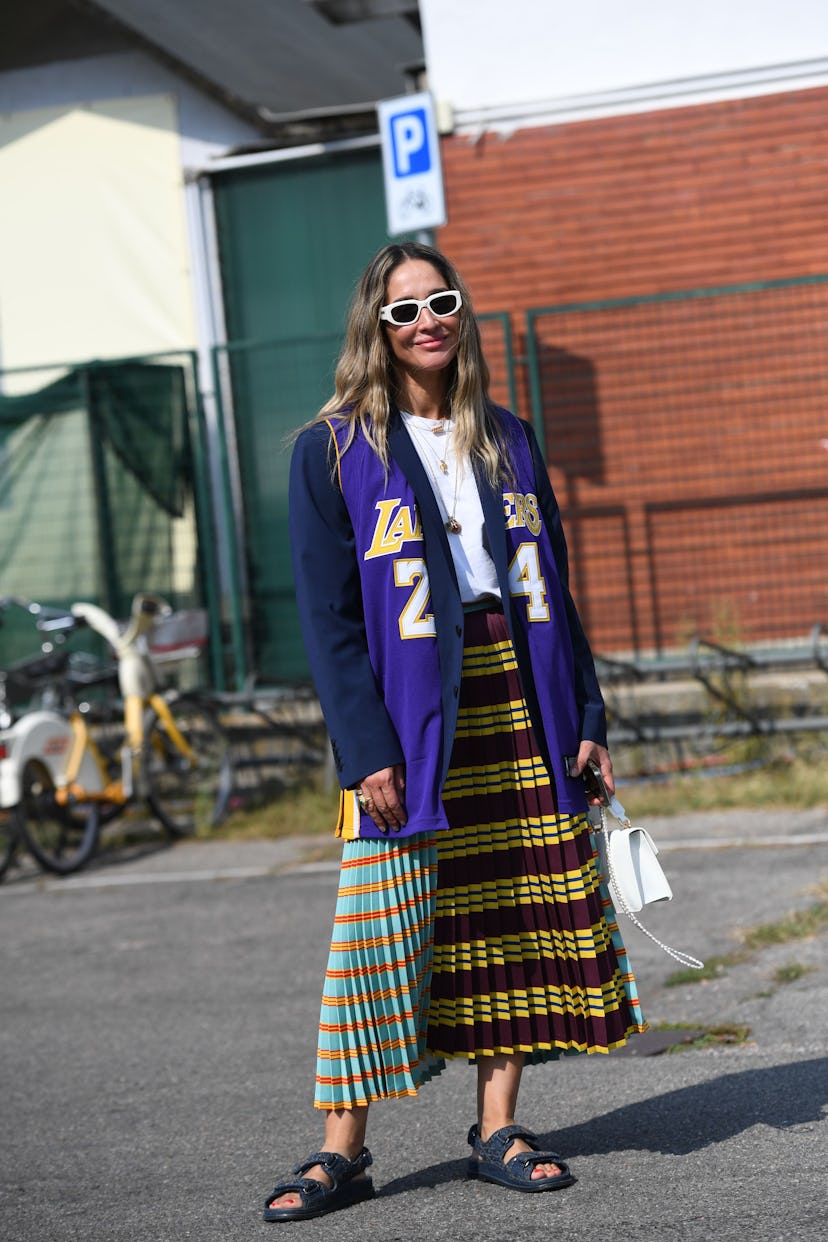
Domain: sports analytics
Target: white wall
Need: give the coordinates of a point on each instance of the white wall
(542, 60)
(95, 244)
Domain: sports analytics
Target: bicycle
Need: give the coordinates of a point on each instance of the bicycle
(74, 765)
(34, 681)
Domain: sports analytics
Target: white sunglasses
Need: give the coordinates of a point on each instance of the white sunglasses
(446, 302)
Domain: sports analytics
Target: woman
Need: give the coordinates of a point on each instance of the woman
(455, 679)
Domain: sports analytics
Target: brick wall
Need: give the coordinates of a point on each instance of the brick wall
(687, 438)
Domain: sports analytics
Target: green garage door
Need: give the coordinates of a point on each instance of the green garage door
(293, 239)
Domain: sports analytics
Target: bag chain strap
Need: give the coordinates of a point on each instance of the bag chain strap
(684, 959)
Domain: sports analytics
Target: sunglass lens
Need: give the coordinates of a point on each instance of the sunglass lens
(405, 312)
(443, 303)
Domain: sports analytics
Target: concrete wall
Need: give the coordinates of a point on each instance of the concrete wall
(532, 61)
(95, 252)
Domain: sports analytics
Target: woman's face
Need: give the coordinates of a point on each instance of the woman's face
(430, 344)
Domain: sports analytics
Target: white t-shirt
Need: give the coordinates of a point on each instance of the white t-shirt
(456, 493)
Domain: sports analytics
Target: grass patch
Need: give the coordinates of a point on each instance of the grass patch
(713, 968)
(714, 1036)
(791, 972)
(729, 1035)
(804, 924)
(673, 1026)
(309, 809)
(784, 783)
(799, 926)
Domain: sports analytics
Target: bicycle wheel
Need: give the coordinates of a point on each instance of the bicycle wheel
(61, 838)
(186, 792)
(9, 839)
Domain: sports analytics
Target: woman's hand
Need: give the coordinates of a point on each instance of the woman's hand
(381, 796)
(599, 755)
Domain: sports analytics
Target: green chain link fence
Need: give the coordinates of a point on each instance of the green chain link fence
(104, 492)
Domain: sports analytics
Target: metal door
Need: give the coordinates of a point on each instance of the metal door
(293, 240)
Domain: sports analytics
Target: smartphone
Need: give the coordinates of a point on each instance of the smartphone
(592, 778)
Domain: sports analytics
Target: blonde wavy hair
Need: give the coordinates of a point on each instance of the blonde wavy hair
(366, 382)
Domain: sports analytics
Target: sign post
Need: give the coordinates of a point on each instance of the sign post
(414, 197)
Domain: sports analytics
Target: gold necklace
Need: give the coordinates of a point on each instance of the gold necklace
(451, 524)
(438, 430)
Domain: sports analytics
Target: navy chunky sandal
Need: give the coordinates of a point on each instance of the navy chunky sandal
(317, 1198)
(488, 1165)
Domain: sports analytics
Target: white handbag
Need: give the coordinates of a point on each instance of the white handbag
(628, 860)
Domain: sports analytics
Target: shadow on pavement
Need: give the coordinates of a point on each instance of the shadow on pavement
(677, 1122)
(691, 1118)
(434, 1175)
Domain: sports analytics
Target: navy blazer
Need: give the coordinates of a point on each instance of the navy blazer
(328, 592)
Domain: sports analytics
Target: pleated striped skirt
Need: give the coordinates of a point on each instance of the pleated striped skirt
(496, 936)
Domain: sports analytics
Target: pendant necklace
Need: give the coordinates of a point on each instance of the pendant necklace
(451, 524)
(437, 430)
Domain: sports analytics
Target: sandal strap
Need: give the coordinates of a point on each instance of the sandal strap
(305, 1187)
(497, 1144)
(338, 1168)
(529, 1159)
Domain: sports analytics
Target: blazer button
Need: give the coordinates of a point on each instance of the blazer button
(458, 629)
(456, 691)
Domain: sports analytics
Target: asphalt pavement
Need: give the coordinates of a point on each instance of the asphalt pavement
(158, 1039)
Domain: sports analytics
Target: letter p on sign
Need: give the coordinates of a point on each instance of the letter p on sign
(409, 138)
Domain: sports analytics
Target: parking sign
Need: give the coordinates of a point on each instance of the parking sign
(411, 163)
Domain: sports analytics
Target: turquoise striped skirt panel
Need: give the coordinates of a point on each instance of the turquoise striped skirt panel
(375, 1004)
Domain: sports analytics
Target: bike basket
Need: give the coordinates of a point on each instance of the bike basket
(181, 636)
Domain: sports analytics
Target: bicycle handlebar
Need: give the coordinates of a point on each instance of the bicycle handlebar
(145, 610)
(48, 620)
(55, 625)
